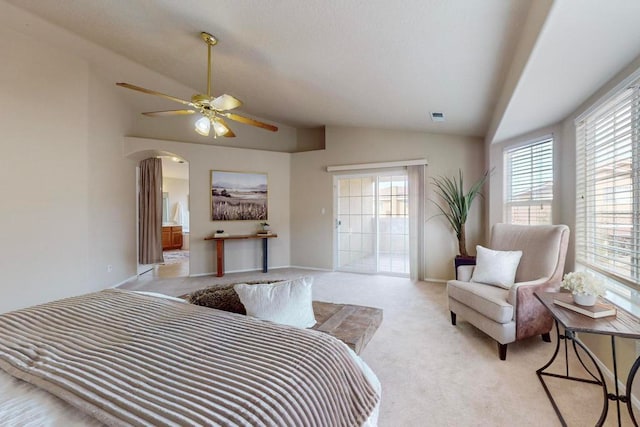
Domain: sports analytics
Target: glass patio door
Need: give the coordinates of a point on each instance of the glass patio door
(372, 224)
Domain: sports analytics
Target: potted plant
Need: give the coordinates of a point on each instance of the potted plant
(585, 287)
(456, 206)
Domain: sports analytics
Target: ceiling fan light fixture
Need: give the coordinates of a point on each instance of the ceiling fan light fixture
(203, 125)
(219, 128)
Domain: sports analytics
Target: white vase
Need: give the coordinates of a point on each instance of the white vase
(584, 299)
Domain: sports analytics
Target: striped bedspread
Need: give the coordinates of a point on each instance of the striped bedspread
(131, 359)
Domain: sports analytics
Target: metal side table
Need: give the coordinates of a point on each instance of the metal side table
(622, 325)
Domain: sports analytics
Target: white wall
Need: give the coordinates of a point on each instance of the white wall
(67, 202)
(312, 190)
(111, 187)
(239, 255)
(43, 173)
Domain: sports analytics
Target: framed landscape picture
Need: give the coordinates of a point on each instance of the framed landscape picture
(238, 196)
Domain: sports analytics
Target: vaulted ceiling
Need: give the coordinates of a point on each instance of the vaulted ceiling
(495, 68)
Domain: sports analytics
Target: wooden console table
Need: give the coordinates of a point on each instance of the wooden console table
(220, 249)
(621, 325)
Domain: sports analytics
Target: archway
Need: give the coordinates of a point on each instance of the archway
(175, 218)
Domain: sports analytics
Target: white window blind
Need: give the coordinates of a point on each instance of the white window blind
(529, 183)
(608, 188)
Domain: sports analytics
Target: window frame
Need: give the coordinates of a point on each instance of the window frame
(601, 115)
(508, 202)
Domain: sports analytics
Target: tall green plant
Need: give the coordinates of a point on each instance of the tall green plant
(457, 203)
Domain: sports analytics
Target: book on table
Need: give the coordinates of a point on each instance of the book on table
(596, 311)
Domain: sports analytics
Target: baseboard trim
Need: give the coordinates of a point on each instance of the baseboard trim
(301, 267)
(248, 270)
(202, 274)
(134, 277)
(309, 268)
(427, 279)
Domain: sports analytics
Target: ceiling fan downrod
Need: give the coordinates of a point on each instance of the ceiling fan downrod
(210, 41)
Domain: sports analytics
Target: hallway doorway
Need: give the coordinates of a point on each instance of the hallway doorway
(175, 220)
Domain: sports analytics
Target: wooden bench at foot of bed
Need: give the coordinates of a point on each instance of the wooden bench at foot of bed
(352, 324)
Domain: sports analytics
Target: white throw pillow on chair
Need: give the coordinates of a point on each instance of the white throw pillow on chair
(496, 268)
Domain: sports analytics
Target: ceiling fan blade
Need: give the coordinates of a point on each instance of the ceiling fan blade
(153, 92)
(226, 102)
(229, 134)
(169, 113)
(247, 120)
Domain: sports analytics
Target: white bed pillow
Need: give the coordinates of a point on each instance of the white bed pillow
(496, 268)
(287, 303)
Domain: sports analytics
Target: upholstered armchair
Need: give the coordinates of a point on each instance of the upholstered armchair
(508, 314)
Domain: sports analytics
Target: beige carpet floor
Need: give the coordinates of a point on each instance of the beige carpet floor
(432, 373)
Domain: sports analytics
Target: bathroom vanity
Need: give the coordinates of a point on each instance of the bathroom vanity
(171, 237)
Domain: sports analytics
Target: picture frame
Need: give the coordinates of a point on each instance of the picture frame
(238, 196)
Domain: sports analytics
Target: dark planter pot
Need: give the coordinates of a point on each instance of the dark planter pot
(463, 260)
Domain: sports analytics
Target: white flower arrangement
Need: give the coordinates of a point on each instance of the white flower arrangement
(582, 282)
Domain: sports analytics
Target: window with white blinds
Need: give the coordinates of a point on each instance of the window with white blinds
(608, 188)
(529, 183)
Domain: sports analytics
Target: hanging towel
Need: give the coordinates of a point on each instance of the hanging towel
(178, 216)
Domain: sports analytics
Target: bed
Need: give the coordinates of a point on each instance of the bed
(122, 358)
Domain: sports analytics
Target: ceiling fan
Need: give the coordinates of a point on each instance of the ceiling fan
(213, 109)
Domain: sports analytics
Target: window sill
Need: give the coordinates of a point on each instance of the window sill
(623, 303)
(626, 298)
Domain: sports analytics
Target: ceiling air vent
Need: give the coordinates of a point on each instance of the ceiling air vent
(437, 117)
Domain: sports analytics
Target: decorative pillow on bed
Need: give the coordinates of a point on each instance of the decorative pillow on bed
(287, 303)
(221, 297)
(496, 267)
